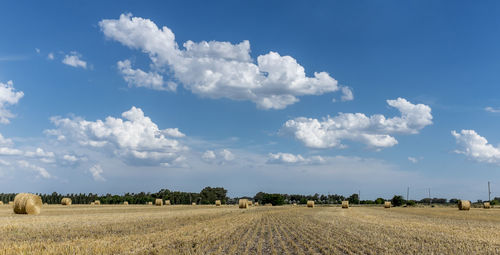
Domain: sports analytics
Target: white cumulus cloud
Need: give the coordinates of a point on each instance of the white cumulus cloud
(96, 172)
(413, 160)
(220, 156)
(41, 171)
(139, 78)
(374, 131)
(476, 147)
(73, 59)
(8, 96)
(134, 136)
(218, 69)
(288, 158)
(491, 109)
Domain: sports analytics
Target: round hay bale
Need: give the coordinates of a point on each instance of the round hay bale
(11, 202)
(97, 202)
(486, 205)
(92, 203)
(256, 204)
(310, 204)
(66, 201)
(26, 203)
(217, 203)
(464, 205)
(45, 204)
(125, 203)
(345, 204)
(159, 202)
(150, 203)
(243, 203)
(268, 204)
(294, 204)
(167, 202)
(250, 203)
(193, 203)
(1, 202)
(387, 204)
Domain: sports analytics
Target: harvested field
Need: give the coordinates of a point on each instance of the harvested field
(142, 229)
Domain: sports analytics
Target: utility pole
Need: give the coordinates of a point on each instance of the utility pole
(359, 197)
(430, 199)
(489, 192)
(407, 194)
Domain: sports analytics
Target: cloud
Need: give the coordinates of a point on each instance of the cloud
(218, 69)
(347, 94)
(491, 109)
(50, 56)
(73, 59)
(288, 158)
(37, 50)
(413, 160)
(220, 157)
(96, 172)
(476, 147)
(8, 96)
(6, 151)
(41, 171)
(139, 78)
(374, 131)
(135, 138)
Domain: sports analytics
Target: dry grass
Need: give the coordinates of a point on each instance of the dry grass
(140, 229)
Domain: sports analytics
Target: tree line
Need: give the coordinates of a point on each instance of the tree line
(209, 195)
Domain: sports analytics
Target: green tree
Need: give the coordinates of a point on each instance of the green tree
(397, 200)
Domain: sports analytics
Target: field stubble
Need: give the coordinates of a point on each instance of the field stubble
(141, 229)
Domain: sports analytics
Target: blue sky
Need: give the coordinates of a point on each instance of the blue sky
(296, 97)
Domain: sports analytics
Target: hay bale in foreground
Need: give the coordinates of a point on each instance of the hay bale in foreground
(345, 204)
(26, 203)
(97, 202)
(66, 201)
(310, 204)
(387, 204)
(125, 203)
(243, 203)
(159, 202)
(486, 205)
(167, 202)
(217, 203)
(464, 205)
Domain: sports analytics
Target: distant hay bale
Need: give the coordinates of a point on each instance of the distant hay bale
(268, 204)
(310, 204)
(97, 202)
(250, 203)
(217, 203)
(387, 204)
(159, 202)
(256, 204)
(464, 205)
(193, 203)
(486, 205)
(345, 204)
(167, 202)
(243, 203)
(45, 204)
(150, 203)
(1, 202)
(294, 204)
(92, 203)
(26, 203)
(125, 203)
(66, 201)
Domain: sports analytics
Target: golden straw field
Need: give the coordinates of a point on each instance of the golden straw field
(143, 229)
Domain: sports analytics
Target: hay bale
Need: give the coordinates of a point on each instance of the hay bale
(66, 201)
(268, 204)
(45, 204)
(167, 202)
(217, 203)
(97, 202)
(486, 205)
(243, 203)
(310, 204)
(125, 203)
(294, 204)
(92, 203)
(150, 203)
(250, 203)
(193, 203)
(256, 204)
(11, 202)
(345, 204)
(1, 202)
(159, 202)
(387, 204)
(26, 203)
(464, 205)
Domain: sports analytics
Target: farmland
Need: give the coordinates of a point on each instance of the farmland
(142, 229)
